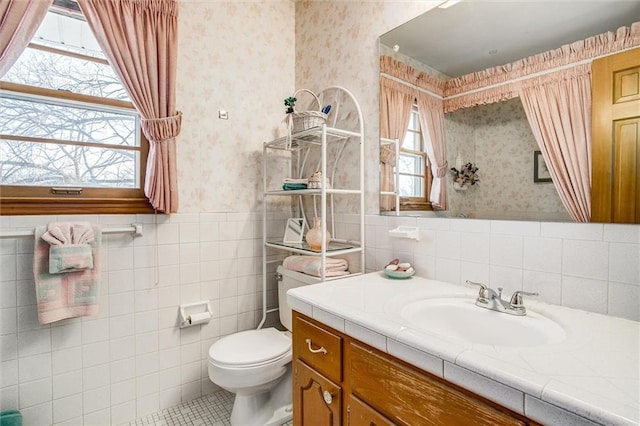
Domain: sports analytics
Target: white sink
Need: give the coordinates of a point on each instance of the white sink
(462, 319)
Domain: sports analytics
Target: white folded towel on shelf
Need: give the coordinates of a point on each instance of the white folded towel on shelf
(292, 180)
(312, 265)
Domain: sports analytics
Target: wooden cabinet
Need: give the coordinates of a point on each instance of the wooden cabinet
(318, 399)
(339, 380)
(615, 127)
(317, 370)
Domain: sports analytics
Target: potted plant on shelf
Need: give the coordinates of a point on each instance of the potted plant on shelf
(465, 177)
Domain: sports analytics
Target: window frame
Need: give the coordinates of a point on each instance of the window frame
(417, 203)
(39, 200)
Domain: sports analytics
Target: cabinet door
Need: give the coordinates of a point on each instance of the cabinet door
(317, 400)
(615, 193)
(361, 414)
(409, 397)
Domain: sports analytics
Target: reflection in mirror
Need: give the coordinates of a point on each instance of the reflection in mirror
(486, 122)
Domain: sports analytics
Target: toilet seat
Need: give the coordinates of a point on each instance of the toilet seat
(250, 348)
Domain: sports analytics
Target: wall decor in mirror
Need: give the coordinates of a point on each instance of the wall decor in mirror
(493, 82)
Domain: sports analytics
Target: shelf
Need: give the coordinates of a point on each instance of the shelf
(308, 137)
(334, 248)
(319, 149)
(313, 192)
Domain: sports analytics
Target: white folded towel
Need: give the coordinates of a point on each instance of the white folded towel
(292, 180)
(312, 265)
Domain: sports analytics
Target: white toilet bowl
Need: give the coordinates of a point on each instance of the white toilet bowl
(252, 364)
(256, 365)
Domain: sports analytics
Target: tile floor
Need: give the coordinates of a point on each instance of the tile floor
(210, 410)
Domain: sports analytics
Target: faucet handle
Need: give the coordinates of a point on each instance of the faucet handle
(484, 290)
(516, 299)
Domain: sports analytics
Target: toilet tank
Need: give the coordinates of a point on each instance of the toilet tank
(290, 279)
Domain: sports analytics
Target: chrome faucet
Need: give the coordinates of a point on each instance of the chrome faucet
(490, 299)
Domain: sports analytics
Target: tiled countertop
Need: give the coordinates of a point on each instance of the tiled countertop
(590, 377)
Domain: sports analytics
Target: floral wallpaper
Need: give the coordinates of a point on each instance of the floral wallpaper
(245, 57)
(497, 137)
(337, 44)
(236, 56)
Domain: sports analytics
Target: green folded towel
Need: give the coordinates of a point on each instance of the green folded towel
(294, 186)
(11, 418)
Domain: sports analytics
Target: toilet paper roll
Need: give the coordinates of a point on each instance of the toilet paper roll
(199, 318)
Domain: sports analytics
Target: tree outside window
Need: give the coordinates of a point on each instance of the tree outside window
(67, 122)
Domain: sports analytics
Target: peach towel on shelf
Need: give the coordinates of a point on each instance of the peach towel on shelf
(312, 265)
(66, 294)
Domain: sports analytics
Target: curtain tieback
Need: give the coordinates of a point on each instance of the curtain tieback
(441, 171)
(162, 129)
(387, 156)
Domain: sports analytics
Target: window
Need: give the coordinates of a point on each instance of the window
(413, 168)
(70, 138)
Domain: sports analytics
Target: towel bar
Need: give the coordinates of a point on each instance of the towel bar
(134, 228)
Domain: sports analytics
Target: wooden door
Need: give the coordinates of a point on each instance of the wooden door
(317, 401)
(615, 192)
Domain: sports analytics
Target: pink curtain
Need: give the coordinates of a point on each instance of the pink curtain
(139, 38)
(558, 108)
(19, 21)
(396, 101)
(431, 111)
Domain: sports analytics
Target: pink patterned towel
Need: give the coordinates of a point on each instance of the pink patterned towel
(65, 295)
(70, 249)
(312, 265)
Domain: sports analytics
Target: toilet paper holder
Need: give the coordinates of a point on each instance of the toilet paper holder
(194, 313)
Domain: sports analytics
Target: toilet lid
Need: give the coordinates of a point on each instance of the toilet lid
(250, 347)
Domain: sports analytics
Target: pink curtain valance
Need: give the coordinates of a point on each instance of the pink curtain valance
(476, 88)
(482, 97)
(397, 87)
(591, 47)
(405, 72)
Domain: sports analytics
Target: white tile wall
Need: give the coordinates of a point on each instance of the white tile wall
(132, 359)
(595, 267)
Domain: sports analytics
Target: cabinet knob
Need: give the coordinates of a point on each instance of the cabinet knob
(328, 398)
(315, 351)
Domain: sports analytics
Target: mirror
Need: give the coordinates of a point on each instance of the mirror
(471, 36)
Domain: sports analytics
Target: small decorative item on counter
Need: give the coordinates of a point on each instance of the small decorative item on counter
(314, 236)
(465, 176)
(399, 270)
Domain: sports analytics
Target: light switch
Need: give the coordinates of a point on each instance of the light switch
(223, 115)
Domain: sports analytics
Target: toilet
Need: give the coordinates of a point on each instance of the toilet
(256, 364)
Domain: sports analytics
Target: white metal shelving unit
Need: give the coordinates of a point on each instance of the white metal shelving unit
(396, 176)
(302, 149)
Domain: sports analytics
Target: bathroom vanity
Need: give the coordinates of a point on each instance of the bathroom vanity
(339, 378)
(361, 355)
